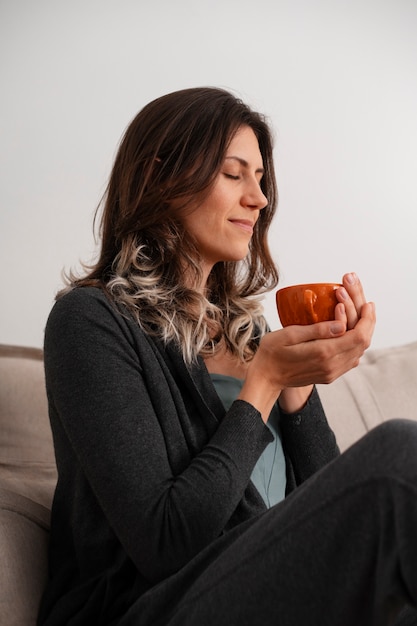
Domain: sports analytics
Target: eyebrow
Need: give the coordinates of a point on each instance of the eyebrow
(243, 162)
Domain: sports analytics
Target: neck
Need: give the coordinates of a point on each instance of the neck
(199, 284)
(222, 362)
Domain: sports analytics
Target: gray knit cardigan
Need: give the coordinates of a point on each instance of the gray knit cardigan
(151, 470)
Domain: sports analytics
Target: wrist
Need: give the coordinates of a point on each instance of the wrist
(294, 399)
(260, 395)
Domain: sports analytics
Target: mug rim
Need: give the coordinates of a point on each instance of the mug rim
(310, 285)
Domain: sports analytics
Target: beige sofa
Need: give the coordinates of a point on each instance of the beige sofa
(383, 386)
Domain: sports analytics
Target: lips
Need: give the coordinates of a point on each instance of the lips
(246, 225)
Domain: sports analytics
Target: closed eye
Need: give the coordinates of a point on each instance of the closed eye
(232, 176)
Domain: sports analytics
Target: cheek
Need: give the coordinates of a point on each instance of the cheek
(210, 214)
(197, 223)
(207, 217)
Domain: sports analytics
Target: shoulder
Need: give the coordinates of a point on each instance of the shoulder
(88, 316)
(83, 303)
(84, 312)
(81, 298)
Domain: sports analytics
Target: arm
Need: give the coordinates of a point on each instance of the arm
(123, 427)
(308, 441)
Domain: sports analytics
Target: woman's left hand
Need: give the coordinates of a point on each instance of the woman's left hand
(351, 298)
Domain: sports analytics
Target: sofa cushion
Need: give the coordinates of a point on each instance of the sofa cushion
(23, 547)
(27, 461)
(382, 387)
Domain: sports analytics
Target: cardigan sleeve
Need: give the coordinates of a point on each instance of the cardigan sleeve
(113, 465)
(308, 441)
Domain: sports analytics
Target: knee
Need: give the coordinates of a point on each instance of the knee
(395, 431)
(394, 444)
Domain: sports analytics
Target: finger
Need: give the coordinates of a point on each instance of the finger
(351, 312)
(356, 341)
(353, 297)
(340, 313)
(354, 288)
(311, 332)
(368, 318)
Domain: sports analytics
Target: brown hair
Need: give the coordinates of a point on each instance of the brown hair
(168, 158)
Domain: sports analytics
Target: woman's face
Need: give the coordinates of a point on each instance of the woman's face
(222, 225)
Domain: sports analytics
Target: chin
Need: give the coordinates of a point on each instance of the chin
(235, 258)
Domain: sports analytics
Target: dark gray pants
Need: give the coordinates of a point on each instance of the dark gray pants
(340, 551)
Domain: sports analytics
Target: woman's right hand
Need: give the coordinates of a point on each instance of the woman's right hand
(299, 356)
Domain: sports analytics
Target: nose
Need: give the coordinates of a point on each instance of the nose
(254, 197)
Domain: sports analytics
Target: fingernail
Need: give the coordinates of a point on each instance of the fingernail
(336, 328)
(351, 278)
(343, 293)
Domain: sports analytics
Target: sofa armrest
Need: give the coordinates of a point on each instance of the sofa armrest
(24, 534)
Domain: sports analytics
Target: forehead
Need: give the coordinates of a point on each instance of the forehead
(244, 145)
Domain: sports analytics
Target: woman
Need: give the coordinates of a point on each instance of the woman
(199, 481)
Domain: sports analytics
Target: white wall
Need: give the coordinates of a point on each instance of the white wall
(338, 80)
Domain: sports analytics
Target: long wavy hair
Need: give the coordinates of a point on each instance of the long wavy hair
(167, 161)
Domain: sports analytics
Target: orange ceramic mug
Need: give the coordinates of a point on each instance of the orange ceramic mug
(307, 304)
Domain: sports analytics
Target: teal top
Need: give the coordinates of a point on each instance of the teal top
(268, 475)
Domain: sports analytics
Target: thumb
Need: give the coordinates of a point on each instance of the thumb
(319, 330)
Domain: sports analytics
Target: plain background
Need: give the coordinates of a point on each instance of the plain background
(337, 79)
